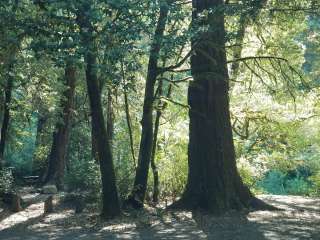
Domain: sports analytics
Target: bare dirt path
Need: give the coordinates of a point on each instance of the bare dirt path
(300, 219)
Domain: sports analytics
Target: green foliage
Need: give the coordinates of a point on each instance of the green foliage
(6, 181)
(277, 182)
(298, 186)
(83, 176)
(315, 180)
(274, 104)
(273, 183)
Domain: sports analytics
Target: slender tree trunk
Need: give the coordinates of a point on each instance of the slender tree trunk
(56, 161)
(110, 200)
(110, 118)
(2, 100)
(214, 183)
(155, 172)
(236, 54)
(42, 119)
(156, 182)
(6, 115)
(137, 195)
(243, 25)
(128, 119)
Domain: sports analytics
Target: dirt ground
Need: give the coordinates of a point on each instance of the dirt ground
(299, 219)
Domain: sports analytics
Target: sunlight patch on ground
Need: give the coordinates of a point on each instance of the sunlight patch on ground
(33, 211)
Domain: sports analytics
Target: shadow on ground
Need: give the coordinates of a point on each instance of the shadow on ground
(299, 220)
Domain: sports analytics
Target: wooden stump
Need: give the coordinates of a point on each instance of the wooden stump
(16, 203)
(48, 205)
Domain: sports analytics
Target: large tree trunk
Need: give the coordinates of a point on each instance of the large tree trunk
(214, 183)
(137, 195)
(56, 161)
(6, 115)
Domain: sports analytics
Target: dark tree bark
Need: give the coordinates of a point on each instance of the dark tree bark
(6, 115)
(137, 195)
(2, 100)
(56, 161)
(110, 118)
(214, 183)
(110, 201)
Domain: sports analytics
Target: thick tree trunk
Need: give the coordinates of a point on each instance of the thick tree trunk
(137, 195)
(56, 161)
(6, 116)
(214, 183)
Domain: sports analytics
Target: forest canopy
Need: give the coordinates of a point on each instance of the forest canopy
(201, 103)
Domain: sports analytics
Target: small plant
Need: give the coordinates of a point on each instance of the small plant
(298, 186)
(273, 182)
(315, 186)
(83, 176)
(6, 180)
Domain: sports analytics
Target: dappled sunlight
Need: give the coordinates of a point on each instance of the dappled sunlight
(33, 211)
(298, 218)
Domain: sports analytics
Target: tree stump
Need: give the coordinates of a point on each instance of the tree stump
(12, 200)
(16, 203)
(48, 205)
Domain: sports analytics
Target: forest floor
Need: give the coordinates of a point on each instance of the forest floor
(299, 219)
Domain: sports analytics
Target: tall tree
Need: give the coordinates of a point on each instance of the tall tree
(6, 112)
(56, 161)
(110, 201)
(214, 183)
(10, 40)
(160, 108)
(137, 195)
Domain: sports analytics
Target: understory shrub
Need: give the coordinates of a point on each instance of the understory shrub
(278, 182)
(83, 175)
(6, 180)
